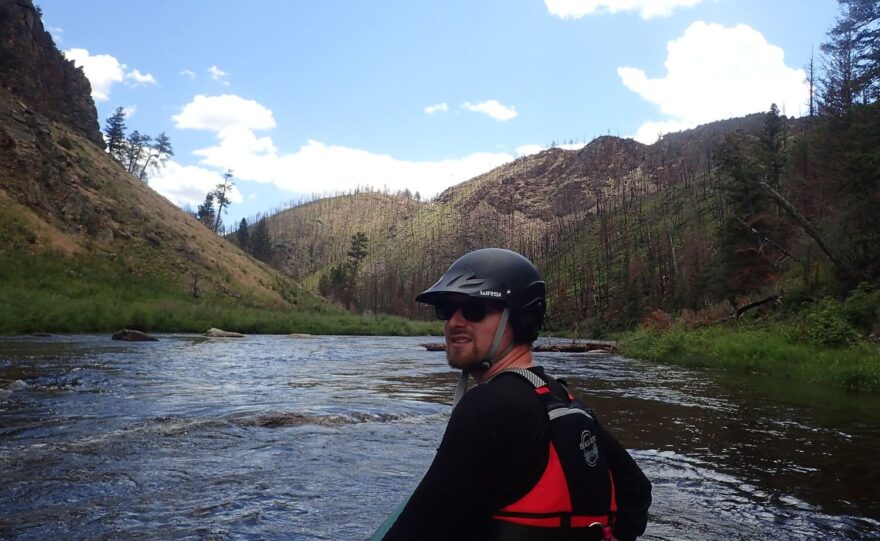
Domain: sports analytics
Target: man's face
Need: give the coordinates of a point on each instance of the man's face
(468, 342)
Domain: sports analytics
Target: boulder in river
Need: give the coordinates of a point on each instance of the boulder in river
(130, 335)
(17, 385)
(220, 333)
(300, 335)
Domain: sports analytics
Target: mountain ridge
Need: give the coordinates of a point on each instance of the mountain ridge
(535, 205)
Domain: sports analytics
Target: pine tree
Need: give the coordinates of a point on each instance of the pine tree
(114, 129)
(160, 150)
(205, 212)
(858, 27)
(358, 251)
(261, 242)
(134, 149)
(742, 264)
(243, 234)
(221, 197)
(772, 142)
(845, 144)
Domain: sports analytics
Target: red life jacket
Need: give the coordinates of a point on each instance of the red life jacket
(576, 490)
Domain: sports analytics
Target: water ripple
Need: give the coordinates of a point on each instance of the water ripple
(272, 437)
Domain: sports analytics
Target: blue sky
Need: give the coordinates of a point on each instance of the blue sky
(316, 97)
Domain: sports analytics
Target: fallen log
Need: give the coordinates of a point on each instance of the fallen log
(743, 309)
(130, 335)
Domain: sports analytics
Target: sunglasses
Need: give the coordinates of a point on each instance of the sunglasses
(472, 311)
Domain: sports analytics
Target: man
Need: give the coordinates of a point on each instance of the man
(521, 458)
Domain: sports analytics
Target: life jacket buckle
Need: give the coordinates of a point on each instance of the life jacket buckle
(604, 531)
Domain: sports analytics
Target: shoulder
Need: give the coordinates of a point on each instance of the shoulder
(506, 386)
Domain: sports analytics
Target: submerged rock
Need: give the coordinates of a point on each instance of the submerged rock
(299, 335)
(17, 385)
(220, 333)
(133, 336)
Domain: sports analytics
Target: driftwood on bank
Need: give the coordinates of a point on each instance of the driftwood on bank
(743, 309)
(130, 335)
(580, 346)
(739, 311)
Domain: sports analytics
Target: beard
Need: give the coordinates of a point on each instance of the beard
(463, 356)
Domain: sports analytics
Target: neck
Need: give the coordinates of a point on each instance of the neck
(520, 356)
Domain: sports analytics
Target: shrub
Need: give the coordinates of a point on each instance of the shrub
(861, 308)
(796, 299)
(826, 325)
(658, 320)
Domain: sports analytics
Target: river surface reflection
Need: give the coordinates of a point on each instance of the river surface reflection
(318, 438)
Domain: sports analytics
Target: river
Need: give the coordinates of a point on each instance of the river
(273, 437)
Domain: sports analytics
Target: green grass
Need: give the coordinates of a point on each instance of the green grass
(50, 293)
(769, 349)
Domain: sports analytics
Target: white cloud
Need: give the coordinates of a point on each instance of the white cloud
(219, 113)
(219, 75)
(438, 108)
(715, 72)
(571, 146)
(136, 78)
(650, 132)
(189, 74)
(315, 167)
(528, 150)
(492, 108)
(188, 185)
(129, 110)
(575, 9)
(320, 168)
(104, 70)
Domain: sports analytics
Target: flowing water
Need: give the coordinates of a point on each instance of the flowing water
(273, 437)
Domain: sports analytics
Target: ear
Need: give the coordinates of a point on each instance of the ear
(525, 327)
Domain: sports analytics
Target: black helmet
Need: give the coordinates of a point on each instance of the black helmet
(500, 275)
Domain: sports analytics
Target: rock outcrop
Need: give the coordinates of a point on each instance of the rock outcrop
(33, 69)
(220, 333)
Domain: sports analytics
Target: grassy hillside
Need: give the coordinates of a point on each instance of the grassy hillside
(84, 246)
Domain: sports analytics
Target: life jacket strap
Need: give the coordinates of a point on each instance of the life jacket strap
(596, 528)
(530, 376)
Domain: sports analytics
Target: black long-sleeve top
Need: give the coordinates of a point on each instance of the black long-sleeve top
(495, 449)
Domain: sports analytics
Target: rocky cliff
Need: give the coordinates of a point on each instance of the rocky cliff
(63, 196)
(37, 74)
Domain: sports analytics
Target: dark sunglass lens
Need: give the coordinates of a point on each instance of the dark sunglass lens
(444, 310)
(474, 311)
(471, 311)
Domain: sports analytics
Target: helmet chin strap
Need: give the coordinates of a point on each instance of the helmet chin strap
(490, 359)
